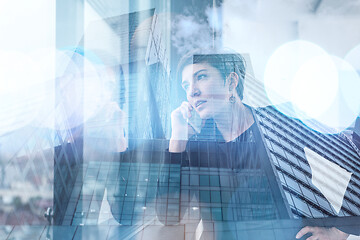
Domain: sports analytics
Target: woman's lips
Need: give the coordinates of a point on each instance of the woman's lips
(199, 103)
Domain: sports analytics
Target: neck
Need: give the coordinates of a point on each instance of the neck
(238, 118)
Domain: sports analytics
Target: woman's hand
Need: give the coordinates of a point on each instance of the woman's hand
(321, 233)
(181, 131)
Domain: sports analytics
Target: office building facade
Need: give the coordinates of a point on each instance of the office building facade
(286, 139)
(144, 187)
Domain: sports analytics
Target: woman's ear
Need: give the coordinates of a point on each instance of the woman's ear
(233, 80)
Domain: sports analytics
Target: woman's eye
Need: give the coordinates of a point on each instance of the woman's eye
(185, 86)
(201, 76)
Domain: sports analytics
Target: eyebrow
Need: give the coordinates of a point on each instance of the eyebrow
(194, 75)
(201, 70)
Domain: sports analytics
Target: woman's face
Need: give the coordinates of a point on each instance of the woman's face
(206, 90)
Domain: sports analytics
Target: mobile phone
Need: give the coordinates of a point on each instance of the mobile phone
(195, 121)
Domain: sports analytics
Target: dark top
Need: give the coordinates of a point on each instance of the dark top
(238, 182)
(206, 150)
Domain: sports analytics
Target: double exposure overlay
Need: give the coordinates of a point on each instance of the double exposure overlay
(156, 119)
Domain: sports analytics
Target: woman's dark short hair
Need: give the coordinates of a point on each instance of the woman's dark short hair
(225, 63)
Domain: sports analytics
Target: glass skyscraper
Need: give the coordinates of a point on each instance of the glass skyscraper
(286, 139)
(145, 187)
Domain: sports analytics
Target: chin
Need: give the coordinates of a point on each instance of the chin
(204, 114)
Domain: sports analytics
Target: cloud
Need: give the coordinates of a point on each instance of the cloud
(197, 30)
(194, 29)
(190, 33)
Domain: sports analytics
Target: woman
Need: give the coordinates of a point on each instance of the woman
(214, 90)
(222, 177)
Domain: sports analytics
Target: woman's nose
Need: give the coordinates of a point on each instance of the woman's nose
(194, 91)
